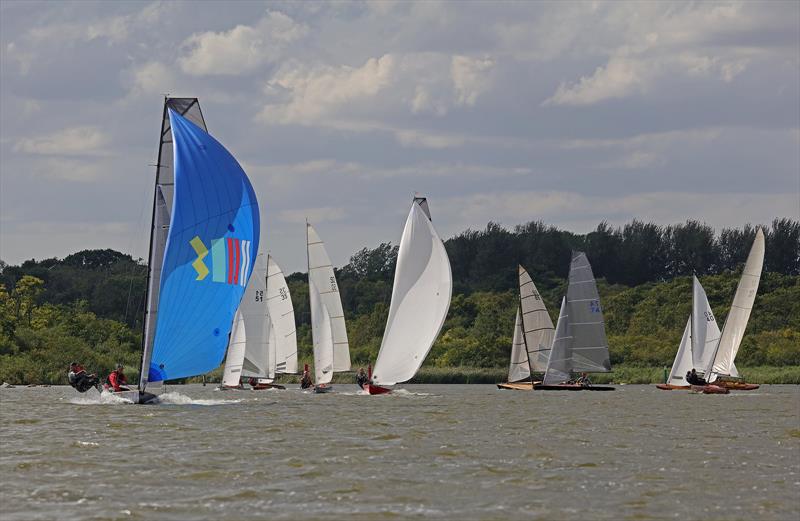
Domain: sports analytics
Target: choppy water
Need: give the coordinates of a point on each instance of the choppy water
(431, 452)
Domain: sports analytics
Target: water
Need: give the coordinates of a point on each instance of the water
(431, 452)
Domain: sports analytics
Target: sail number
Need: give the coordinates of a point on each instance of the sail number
(709, 316)
(333, 284)
(259, 295)
(536, 295)
(594, 305)
(284, 293)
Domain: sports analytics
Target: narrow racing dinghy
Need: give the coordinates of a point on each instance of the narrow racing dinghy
(423, 286)
(580, 344)
(203, 244)
(533, 337)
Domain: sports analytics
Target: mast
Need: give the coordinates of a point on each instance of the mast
(145, 362)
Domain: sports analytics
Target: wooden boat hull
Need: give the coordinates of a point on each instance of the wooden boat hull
(517, 386)
(572, 387)
(260, 387)
(737, 386)
(322, 389)
(376, 389)
(670, 387)
(709, 389)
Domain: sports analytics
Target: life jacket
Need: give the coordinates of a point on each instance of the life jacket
(116, 381)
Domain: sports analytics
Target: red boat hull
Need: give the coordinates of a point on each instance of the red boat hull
(376, 389)
(670, 387)
(737, 386)
(710, 389)
(571, 387)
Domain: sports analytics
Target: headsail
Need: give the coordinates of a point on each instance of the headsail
(209, 255)
(281, 312)
(704, 330)
(320, 270)
(536, 322)
(683, 359)
(423, 285)
(322, 336)
(520, 367)
(559, 365)
(736, 321)
(234, 359)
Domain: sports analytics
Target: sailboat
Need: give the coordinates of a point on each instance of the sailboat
(723, 371)
(533, 337)
(698, 343)
(423, 286)
(203, 243)
(579, 344)
(328, 329)
(281, 313)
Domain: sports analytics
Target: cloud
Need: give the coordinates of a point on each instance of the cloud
(73, 141)
(470, 78)
(617, 79)
(242, 49)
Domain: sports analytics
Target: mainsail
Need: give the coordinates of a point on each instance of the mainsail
(322, 336)
(704, 330)
(208, 258)
(536, 322)
(423, 286)
(736, 321)
(320, 270)
(580, 343)
(281, 312)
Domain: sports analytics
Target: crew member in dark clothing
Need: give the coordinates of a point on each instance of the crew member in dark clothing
(117, 380)
(305, 381)
(81, 381)
(362, 378)
(694, 379)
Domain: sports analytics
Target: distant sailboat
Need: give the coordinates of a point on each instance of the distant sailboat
(202, 250)
(281, 312)
(533, 336)
(423, 286)
(579, 344)
(327, 316)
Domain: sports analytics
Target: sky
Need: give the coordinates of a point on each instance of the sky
(570, 113)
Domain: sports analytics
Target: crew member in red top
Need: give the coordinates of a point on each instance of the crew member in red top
(116, 380)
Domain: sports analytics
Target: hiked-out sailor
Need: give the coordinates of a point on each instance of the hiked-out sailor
(81, 381)
(361, 378)
(305, 381)
(116, 380)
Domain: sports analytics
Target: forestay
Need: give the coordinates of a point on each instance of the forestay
(738, 316)
(322, 336)
(536, 322)
(423, 285)
(704, 330)
(320, 270)
(281, 312)
(211, 247)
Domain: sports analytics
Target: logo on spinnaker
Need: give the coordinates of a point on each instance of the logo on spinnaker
(230, 260)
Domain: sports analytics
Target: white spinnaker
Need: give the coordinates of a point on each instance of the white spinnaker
(281, 312)
(536, 322)
(320, 270)
(683, 360)
(423, 286)
(232, 373)
(322, 336)
(559, 365)
(520, 367)
(704, 330)
(738, 316)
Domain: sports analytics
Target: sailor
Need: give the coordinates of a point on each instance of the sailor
(693, 378)
(116, 380)
(305, 381)
(361, 378)
(584, 380)
(78, 378)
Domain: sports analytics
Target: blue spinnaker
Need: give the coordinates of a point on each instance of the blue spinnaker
(210, 252)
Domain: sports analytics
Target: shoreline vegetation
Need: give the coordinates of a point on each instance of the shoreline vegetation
(89, 306)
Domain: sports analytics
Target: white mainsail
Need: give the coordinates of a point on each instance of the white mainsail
(281, 312)
(704, 330)
(536, 322)
(423, 286)
(581, 344)
(249, 344)
(322, 336)
(738, 316)
(320, 271)
(520, 367)
(683, 360)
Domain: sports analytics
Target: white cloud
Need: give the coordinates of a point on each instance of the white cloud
(73, 141)
(241, 49)
(471, 77)
(617, 79)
